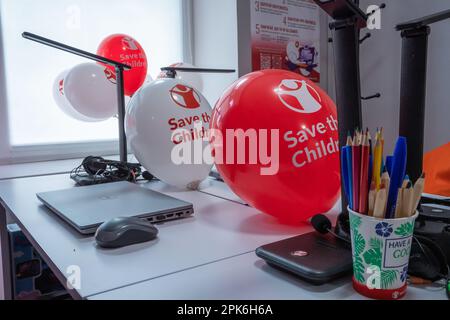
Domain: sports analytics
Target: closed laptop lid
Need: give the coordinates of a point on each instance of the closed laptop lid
(89, 206)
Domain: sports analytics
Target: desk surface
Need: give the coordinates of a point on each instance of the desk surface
(245, 277)
(208, 256)
(219, 229)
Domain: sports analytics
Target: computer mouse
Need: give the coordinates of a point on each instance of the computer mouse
(121, 232)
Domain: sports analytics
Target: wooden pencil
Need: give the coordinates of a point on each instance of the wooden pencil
(349, 140)
(399, 204)
(408, 199)
(372, 196)
(405, 182)
(418, 190)
(380, 203)
(385, 179)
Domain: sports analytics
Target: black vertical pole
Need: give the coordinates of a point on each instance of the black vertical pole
(121, 114)
(348, 89)
(412, 95)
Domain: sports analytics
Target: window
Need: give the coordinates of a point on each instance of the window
(30, 68)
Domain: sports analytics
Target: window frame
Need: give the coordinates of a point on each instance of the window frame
(10, 154)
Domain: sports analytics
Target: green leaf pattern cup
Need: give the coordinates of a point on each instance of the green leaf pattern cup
(380, 250)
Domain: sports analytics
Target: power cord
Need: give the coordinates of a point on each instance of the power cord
(96, 170)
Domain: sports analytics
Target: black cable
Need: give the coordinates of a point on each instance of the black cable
(444, 277)
(106, 171)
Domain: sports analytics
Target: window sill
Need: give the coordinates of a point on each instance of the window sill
(33, 169)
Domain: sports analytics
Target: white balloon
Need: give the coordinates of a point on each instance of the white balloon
(61, 100)
(155, 116)
(91, 91)
(193, 79)
(148, 79)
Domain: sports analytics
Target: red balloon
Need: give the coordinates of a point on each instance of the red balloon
(307, 179)
(125, 49)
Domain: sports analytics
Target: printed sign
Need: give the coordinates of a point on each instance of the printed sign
(396, 252)
(286, 35)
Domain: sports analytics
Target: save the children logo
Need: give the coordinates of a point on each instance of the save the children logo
(185, 96)
(299, 96)
(61, 87)
(129, 43)
(111, 76)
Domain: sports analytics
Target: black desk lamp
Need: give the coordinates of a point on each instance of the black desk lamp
(171, 72)
(119, 67)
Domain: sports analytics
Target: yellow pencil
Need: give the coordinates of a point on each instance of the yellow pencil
(377, 159)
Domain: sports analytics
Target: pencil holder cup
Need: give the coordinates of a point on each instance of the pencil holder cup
(380, 251)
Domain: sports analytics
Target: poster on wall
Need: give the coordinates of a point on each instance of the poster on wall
(286, 35)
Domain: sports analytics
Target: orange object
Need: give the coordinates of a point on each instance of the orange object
(436, 165)
(418, 281)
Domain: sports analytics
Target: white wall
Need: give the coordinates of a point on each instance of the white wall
(215, 43)
(380, 71)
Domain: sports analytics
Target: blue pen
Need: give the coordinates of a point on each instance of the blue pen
(398, 171)
(388, 164)
(344, 173)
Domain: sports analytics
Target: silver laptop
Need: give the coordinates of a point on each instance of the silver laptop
(86, 208)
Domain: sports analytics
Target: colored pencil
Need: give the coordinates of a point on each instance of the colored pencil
(356, 171)
(377, 155)
(344, 173)
(364, 175)
(374, 187)
(348, 150)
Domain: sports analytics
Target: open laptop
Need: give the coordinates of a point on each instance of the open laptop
(86, 208)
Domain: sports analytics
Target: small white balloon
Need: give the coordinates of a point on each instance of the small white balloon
(167, 125)
(61, 100)
(91, 91)
(193, 79)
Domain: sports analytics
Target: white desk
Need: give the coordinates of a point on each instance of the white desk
(218, 230)
(244, 277)
(208, 256)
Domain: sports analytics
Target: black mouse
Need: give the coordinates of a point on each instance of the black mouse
(121, 232)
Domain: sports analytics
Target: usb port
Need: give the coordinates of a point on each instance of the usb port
(169, 215)
(159, 218)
